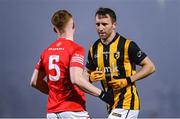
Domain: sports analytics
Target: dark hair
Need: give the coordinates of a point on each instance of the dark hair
(60, 19)
(104, 11)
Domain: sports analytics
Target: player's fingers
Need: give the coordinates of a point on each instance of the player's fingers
(112, 82)
(96, 79)
(97, 72)
(114, 86)
(98, 76)
(116, 89)
(100, 79)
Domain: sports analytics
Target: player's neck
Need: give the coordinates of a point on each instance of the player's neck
(68, 36)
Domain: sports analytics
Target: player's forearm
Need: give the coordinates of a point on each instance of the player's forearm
(77, 78)
(87, 87)
(86, 74)
(144, 71)
(41, 86)
(38, 82)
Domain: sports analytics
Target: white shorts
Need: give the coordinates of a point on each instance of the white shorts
(68, 115)
(123, 114)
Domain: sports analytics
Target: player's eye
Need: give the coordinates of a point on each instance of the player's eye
(104, 24)
(97, 24)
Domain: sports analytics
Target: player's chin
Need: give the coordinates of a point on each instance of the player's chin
(102, 36)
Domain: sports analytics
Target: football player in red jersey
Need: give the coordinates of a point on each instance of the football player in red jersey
(62, 63)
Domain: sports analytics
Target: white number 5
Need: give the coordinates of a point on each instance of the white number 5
(54, 66)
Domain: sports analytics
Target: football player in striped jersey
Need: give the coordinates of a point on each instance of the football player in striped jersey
(115, 57)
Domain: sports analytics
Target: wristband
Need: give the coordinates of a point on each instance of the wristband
(101, 95)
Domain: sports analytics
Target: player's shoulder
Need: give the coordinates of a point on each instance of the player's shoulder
(132, 44)
(124, 38)
(95, 44)
(127, 40)
(75, 45)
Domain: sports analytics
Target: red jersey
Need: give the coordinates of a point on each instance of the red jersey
(56, 61)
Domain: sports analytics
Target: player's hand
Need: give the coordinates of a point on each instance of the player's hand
(96, 76)
(107, 97)
(120, 83)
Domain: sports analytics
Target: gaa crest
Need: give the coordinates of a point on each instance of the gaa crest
(117, 55)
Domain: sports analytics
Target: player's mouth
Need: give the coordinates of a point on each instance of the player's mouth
(102, 33)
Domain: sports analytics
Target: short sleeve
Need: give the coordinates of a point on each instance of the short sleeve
(39, 65)
(90, 64)
(136, 55)
(77, 59)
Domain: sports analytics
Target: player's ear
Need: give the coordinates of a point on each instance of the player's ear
(73, 26)
(114, 25)
(54, 29)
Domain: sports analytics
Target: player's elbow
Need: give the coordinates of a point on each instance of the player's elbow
(33, 83)
(75, 80)
(76, 75)
(34, 78)
(152, 68)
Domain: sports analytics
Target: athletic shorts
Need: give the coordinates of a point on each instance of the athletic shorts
(69, 115)
(123, 114)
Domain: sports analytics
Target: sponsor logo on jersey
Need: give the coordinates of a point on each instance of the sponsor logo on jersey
(55, 49)
(113, 70)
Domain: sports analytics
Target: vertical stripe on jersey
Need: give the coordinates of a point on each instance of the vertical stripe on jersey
(121, 69)
(107, 68)
(112, 59)
(93, 53)
(127, 64)
(127, 101)
(106, 65)
(113, 65)
(128, 68)
(132, 98)
(136, 100)
(100, 63)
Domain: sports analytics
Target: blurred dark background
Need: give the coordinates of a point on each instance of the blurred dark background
(25, 30)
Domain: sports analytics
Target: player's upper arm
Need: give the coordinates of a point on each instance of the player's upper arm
(76, 64)
(136, 55)
(75, 74)
(148, 63)
(77, 58)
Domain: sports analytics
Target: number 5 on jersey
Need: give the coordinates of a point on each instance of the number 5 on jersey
(54, 66)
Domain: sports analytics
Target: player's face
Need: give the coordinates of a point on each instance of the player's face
(104, 26)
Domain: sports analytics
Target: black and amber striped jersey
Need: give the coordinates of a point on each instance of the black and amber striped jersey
(118, 58)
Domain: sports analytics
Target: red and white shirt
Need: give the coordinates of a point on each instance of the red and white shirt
(56, 61)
